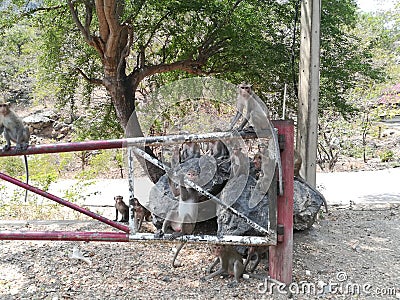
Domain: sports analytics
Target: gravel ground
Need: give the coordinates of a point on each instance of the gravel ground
(355, 249)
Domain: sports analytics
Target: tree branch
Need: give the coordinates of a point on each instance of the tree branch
(189, 65)
(38, 9)
(88, 15)
(78, 23)
(93, 41)
(90, 80)
(109, 8)
(155, 29)
(103, 25)
(125, 52)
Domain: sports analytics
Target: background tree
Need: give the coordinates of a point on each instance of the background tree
(348, 132)
(130, 46)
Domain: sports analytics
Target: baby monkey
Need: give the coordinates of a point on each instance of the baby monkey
(231, 263)
(122, 208)
(239, 162)
(141, 213)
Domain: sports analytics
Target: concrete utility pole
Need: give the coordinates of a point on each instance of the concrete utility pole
(307, 116)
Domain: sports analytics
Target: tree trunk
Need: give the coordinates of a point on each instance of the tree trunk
(113, 43)
(121, 91)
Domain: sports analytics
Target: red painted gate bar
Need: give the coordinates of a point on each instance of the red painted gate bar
(281, 255)
(66, 147)
(64, 202)
(83, 236)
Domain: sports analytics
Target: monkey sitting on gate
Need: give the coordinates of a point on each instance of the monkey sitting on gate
(14, 130)
(259, 117)
(217, 148)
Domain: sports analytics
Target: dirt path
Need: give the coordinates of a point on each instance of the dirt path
(357, 251)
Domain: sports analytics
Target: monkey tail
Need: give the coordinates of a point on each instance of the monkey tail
(27, 175)
(176, 254)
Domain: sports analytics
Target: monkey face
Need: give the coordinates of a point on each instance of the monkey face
(118, 198)
(192, 175)
(4, 108)
(257, 162)
(236, 151)
(216, 250)
(245, 90)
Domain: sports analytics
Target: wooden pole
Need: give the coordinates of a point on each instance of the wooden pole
(281, 255)
(307, 117)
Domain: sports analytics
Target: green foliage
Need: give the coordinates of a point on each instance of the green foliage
(13, 166)
(386, 155)
(101, 162)
(75, 193)
(251, 42)
(99, 123)
(17, 60)
(13, 207)
(346, 58)
(43, 170)
(334, 138)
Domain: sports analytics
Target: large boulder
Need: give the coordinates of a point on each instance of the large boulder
(307, 203)
(212, 178)
(238, 196)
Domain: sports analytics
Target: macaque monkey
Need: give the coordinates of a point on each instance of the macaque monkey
(141, 213)
(245, 101)
(259, 118)
(257, 252)
(239, 162)
(190, 150)
(122, 208)
(231, 263)
(297, 163)
(265, 173)
(257, 160)
(267, 164)
(14, 130)
(183, 220)
(217, 148)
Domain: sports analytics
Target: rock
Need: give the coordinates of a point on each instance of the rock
(37, 121)
(59, 125)
(388, 132)
(211, 178)
(40, 120)
(307, 203)
(237, 193)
